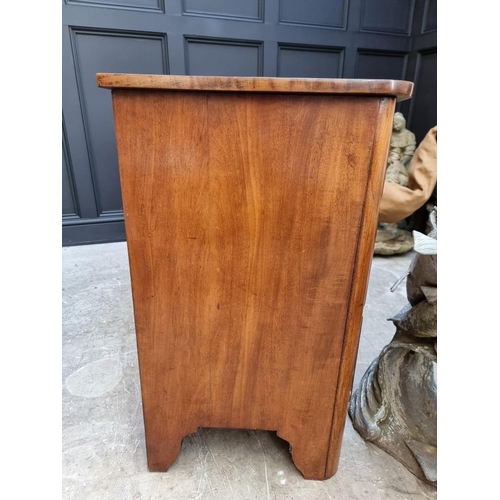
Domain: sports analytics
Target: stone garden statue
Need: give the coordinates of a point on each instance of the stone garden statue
(395, 404)
(401, 150)
(390, 239)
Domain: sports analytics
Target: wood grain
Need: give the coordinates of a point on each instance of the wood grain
(395, 88)
(364, 253)
(250, 222)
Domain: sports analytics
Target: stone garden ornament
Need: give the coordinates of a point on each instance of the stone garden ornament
(390, 238)
(395, 404)
(401, 151)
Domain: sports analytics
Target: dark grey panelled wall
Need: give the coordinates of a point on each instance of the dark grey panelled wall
(279, 38)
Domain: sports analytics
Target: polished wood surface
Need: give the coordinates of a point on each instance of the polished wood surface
(250, 222)
(396, 88)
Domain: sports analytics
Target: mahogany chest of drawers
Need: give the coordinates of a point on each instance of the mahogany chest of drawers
(250, 212)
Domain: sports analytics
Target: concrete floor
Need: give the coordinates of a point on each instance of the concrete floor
(104, 455)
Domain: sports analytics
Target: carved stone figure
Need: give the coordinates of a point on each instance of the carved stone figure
(395, 404)
(401, 150)
(390, 239)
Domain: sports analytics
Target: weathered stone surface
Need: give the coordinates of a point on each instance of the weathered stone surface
(401, 150)
(395, 405)
(391, 241)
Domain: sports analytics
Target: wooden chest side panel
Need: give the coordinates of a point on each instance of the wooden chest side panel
(243, 215)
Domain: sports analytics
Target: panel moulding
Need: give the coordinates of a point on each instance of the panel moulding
(75, 31)
(338, 26)
(224, 41)
(157, 6)
(232, 17)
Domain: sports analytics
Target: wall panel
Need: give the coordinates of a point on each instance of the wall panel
(387, 16)
(114, 52)
(320, 13)
(385, 65)
(309, 62)
(222, 57)
(244, 10)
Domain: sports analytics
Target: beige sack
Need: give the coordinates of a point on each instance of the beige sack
(399, 202)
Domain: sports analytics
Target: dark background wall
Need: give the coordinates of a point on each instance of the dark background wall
(277, 38)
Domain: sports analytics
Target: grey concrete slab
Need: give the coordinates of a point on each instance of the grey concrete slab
(104, 455)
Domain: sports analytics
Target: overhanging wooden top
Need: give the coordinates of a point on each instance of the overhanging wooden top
(402, 90)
